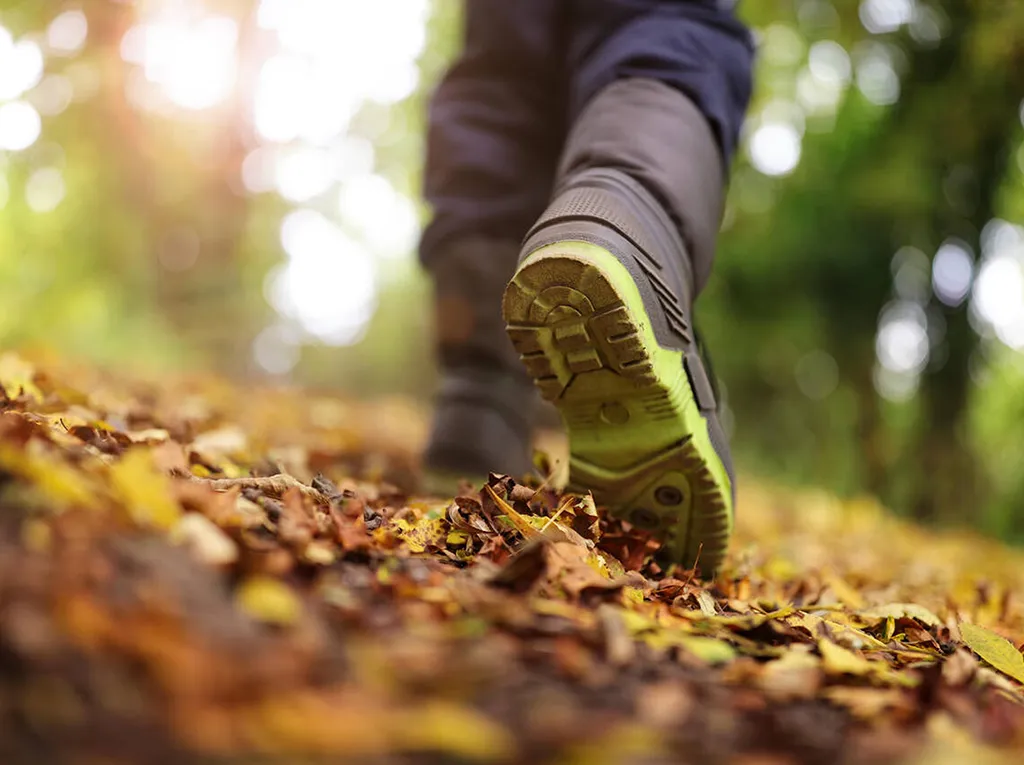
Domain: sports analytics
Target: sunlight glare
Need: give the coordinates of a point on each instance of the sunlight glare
(20, 126)
(258, 169)
(385, 219)
(21, 67)
(328, 283)
(302, 173)
(195, 64)
(999, 293)
(882, 16)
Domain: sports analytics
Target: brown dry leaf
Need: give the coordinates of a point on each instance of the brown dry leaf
(575, 568)
(866, 703)
(995, 649)
(794, 675)
(205, 539)
(169, 457)
(214, 446)
(900, 611)
(517, 519)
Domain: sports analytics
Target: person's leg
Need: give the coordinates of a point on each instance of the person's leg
(497, 125)
(600, 307)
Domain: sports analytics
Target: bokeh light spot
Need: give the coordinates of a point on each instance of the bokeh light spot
(902, 344)
(21, 67)
(386, 220)
(45, 190)
(882, 16)
(775, 148)
(67, 33)
(20, 126)
(328, 284)
(999, 294)
(952, 272)
(877, 78)
(817, 375)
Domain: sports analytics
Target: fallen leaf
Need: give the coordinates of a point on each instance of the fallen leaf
(902, 611)
(711, 650)
(795, 675)
(995, 649)
(446, 728)
(269, 600)
(205, 539)
(866, 703)
(145, 492)
(840, 661)
(17, 377)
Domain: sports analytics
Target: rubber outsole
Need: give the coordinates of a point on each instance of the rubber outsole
(637, 438)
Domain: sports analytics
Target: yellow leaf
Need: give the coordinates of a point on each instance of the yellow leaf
(144, 491)
(36, 535)
(444, 728)
(840, 661)
(17, 377)
(55, 480)
(711, 650)
(422, 533)
(995, 649)
(846, 594)
(518, 521)
(269, 600)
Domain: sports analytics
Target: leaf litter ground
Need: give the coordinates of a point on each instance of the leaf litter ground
(192, 573)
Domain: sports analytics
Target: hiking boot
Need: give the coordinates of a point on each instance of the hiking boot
(486, 405)
(599, 311)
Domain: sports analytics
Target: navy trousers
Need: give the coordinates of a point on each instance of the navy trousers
(499, 119)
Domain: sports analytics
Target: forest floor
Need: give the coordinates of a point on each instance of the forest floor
(193, 573)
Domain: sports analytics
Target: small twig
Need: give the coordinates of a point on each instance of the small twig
(554, 517)
(275, 485)
(547, 480)
(693, 570)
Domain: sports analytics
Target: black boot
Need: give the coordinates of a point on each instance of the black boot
(485, 408)
(600, 310)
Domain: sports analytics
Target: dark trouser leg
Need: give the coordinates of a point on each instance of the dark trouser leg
(659, 91)
(497, 124)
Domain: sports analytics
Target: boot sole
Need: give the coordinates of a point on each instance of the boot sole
(637, 438)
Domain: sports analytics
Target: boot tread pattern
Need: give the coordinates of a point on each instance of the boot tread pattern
(627, 403)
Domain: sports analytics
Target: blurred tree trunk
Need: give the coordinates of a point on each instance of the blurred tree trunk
(976, 148)
(194, 212)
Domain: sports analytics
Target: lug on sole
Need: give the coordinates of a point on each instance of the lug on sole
(637, 438)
